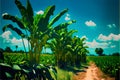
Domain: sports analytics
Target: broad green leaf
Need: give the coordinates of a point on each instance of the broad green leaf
(44, 20)
(16, 67)
(57, 17)
(21, 8)
(70, 33)
(8, 75)
(63, 25)
(14, 19)
(30, 12)
(4, 64)
(69, 46)
(29, 9)
(26, 71)
(48, 12)
(18, 31)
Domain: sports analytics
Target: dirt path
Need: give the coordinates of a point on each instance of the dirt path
(91, 73)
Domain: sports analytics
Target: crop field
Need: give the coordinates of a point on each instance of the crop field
(108, 64)
(18, 58)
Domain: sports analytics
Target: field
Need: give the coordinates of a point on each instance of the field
(18, 58)
(108, 64)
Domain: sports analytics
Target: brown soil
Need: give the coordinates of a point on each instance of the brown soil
(91, 73)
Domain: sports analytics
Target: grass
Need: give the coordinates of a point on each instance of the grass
(64, 74)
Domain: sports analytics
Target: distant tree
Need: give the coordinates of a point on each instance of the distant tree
(21, 51)
(116, 54)
(16, 47)
(99, 51)
(8, 49)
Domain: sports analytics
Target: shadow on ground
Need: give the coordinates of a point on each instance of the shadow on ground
(75, 70)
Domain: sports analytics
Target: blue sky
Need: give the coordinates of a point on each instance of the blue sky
(97, 20)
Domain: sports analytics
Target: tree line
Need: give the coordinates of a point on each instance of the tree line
(9, 50)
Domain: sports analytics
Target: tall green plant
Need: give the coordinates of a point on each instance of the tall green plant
(59, 46)
(40, 27)
(78, 50)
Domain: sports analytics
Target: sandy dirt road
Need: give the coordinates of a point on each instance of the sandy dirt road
(91, 73)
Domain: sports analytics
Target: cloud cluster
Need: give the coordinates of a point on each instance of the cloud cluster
(112, 46)
(111, 25)
(110, 37)
(67, 17)
(95, 44)
(8, 38)
(104, 41)
(84, 37)
(6, 35)
(40, 12)
(90, 23)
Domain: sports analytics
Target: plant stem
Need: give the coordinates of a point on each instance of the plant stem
(24, 46)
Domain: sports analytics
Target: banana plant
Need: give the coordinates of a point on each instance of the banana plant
(78, 50)
(37, 28)
(59, 46)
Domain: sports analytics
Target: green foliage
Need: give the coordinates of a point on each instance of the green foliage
(116, 54)
(39, 26)
(65, 47)
(64, 74)
(8, 49)
(108, 64)
(78, 49)
(15, 58)
(47, 59)
(99, 51)
(19, 32)
(57, 17)
(41, 29)
(58, 46)
(20, 72)
(17, 66)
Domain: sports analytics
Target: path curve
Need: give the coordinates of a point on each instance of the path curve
(91, 73)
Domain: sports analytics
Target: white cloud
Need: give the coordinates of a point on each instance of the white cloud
(90, 23)
(12, 40)
(112, 46)
(19, 42)
(84, 37)
(114, 25)
(95, 44)
(111, 25)
(6, 35)
(40, 12)
(111, 36)
(67, 17)
(67, 14)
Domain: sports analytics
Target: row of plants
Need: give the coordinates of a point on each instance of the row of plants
(17, 66)
(108, 64)
(20, 58)
(46, 60)
(40, 31)
(68, 50)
